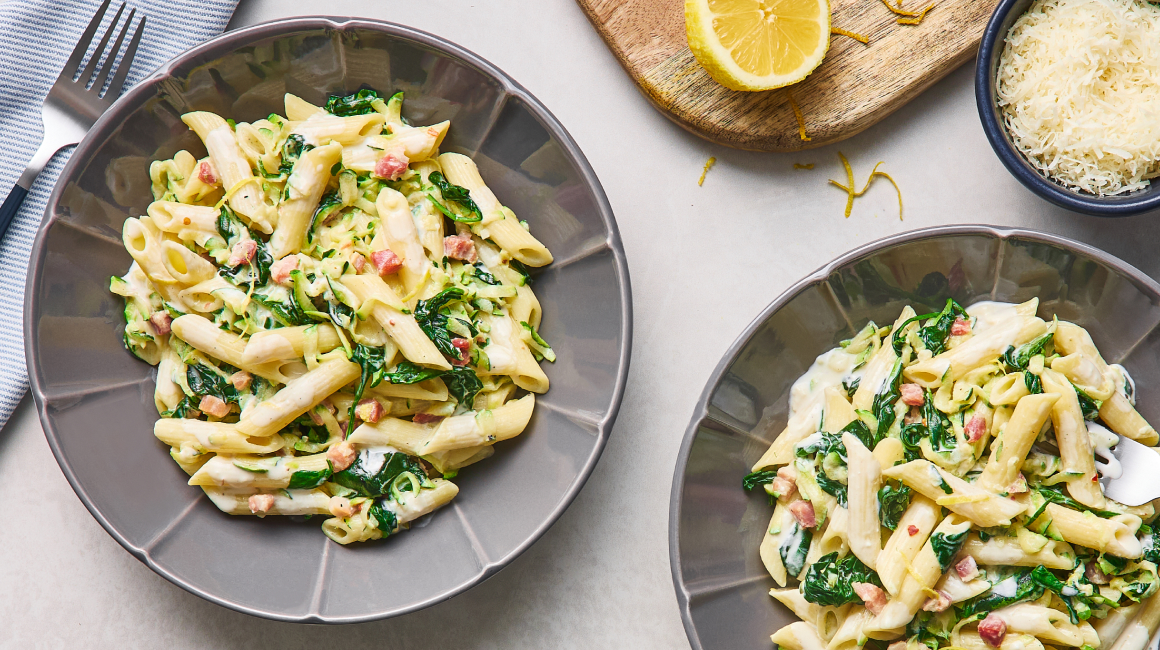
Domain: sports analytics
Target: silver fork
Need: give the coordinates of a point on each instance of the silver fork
(1129, 472)
(72, 107)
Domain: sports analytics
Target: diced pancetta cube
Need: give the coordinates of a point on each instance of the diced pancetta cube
(939, 604)
(463, 345)
(242, 253)
(967, 569)
(1095, 574)
(993, 630)
(975, 428)
(426, 418)
(459, 247)
(241, 379)
(206, 173)
(342, 455)
(280, 270)
(912, 394)
(386, 262)
(960, 327)
(211, 405)
(872, 595)
(391, 166)
(340, 507)
(369, 410)
(803, 512)
(160, 321)
(260, 504)
(357, 262)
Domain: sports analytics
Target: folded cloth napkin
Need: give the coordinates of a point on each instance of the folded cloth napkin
(36, 37)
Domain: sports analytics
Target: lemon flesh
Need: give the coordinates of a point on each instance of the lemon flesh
(758, 44)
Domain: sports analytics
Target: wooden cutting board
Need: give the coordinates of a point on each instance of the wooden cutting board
(855, 86)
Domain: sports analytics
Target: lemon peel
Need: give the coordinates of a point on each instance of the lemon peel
(851, 194)
(907, 17)
(708, 165)
(797, 113)
(858, 37)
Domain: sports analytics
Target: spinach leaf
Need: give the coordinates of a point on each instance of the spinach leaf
(204, 381)
(257, 271)
(1033, 383)
(832, 487)
(859, 430)
(331, 202)
(287, 312)
(898, 343)
(482, 274)
(358, 103)
(911, 436)
(823, 444)
(794, 548)
(385, 520)
(341, 315)
(852, 387)
(410, 373)
(892, 504)
(523, 270)
(934, 335)
(888, 395)
(1054, 494)
(463, 384)
(829, 581)
(1151, 548)
(760, 477)
(371, 479)
(1018, 358)
(1089, 405)
(938, 427)
(434, 324)
(459, 196)
(372, 361)
(304, 479)
(1078, 603)
(946, 546)
(1026, 588)
(292, 150)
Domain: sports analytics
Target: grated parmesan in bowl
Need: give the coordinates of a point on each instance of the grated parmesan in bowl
(1078, 88)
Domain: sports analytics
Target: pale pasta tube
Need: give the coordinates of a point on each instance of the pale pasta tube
(203, 335)
(1006, 551)
(298, 397)
(836, 538)
(798, 428)
(321, 128)
(508, 354)
(865, 478)
(236, 501)
(1137, 633)
(793, 599)
(1075, 446)
(879, 365)
(404, 435)
(305, 186)
(798, 636)
(265, 472)
(184, 266)
(779, 529)
(967, 499)
(287, 343)
(168, 393)
(499, 224)
(402, 328)
(190, 223)
(1085, 373)
(976, 351)
(924, 572)
(456, 459)
(1109, 628)
(1123, 418)
(481, 428)
(972, 641)
(1044, 623)
(298, 109)
(418, 143)
(145, 248)
(1012, 444)
(403, 238)
(245, 194)
(838, 412)
(217, 437)
(1116, 536)
(432, 390)
(901, 548)
(1008, 389)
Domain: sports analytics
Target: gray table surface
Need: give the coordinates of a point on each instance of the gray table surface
(600, 577)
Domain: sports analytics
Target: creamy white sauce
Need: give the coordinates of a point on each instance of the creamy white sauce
(829, 369)
(374, 457)
(1102, 441)
(1006, 588)
(989, 313)
(1122, 378)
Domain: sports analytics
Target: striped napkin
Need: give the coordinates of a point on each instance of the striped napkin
(36, 37)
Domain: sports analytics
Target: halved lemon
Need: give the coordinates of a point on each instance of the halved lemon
(758, 44)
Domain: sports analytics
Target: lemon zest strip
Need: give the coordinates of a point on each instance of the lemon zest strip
(801, 166)
(858, 37)
(708, 165)
(797, 113)
(955, 499)
(851, 194)
(849, 179)
(908, 17)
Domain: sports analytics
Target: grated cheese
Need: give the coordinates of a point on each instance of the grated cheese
(1079, 89)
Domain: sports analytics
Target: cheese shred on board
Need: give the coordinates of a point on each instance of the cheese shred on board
(1079, 89)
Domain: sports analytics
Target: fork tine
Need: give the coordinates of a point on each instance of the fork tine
(97, 53)
(126, 61)
(103, 75)
(78, 53)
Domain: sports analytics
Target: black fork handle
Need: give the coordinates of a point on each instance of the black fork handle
(11, 207)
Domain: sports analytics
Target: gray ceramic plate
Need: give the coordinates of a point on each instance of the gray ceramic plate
(96, 401)
(715, 527)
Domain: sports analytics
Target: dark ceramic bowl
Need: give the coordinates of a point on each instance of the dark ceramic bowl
(96, 400)
(986, 73)
(715, 527)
